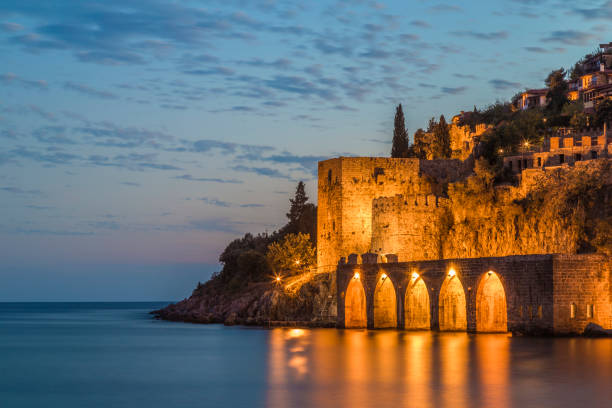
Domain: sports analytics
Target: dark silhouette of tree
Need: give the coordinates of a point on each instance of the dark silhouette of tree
(440, 146)
(297, 203)
(603, 114)
(419, 147)
(557, 91)
(400, 136)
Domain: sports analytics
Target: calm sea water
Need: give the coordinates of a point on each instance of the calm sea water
(115, 355)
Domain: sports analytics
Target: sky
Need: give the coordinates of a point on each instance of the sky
(138, 138)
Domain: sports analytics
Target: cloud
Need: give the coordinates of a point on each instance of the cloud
(189, 177)
(218, 224)
(87, 90)
(502, 84)
(420, 24)
(8, 134)
(454, 91)
(10, 27)
(251, 205)
(602, 11)
(20, 191)
(280, 63)
(52, 135)
(465, 76)
(262, 171)
(299, 86)
(11, 78)
(569, 37)
(30, 110)
(130, 184)
(491, 36)
(215, 202)
(445, 8)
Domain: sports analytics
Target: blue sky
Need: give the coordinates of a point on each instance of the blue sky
(138, 137)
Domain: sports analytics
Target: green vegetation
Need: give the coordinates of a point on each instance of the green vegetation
(255, 258)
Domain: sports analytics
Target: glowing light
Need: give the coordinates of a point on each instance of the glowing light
(297, 261)
(415, 276)
(356, 276)
(278, 279)
(296, 333)
(501, 151)
(383, 276)
(452, 272)
(490, 273)
(526, 144)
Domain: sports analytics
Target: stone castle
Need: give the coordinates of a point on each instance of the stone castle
(381, 228)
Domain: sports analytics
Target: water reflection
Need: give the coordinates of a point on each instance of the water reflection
(360, 368)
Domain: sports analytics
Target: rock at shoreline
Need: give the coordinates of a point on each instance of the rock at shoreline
(595, 330)
(311, 301)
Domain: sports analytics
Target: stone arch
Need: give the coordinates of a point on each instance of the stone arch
(452, 306)
(416, 306)
(385, 304)
(355, 315)
(491, 312)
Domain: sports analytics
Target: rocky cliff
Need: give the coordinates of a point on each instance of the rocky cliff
(307, 300)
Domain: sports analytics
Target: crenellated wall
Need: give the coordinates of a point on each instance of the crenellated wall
(347, 188)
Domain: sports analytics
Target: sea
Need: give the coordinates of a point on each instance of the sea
(116, 355)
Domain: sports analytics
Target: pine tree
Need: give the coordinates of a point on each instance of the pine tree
(298, 204)
(400, 136)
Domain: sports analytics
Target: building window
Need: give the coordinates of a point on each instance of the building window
(572, 310)
(329, 176)
(530, 310)
(561, 158)
(593, 154)
(510, 164)
(577, 157)
(518, 164)
(521, 311)
(589, 311)
(525, 163)
(539, 311)
(539, 162)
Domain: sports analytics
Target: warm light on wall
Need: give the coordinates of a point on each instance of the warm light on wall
(451, 272)
(356, 276)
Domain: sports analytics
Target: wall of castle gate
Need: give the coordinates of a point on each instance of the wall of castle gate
(538, 289)
(347, 187)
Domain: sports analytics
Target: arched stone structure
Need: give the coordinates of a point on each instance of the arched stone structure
(355, 315)
(452, 306)
(385, 308)
(491, 314)
(416, 306)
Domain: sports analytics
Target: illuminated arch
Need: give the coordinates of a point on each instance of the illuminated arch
(416, 306)
(355, 305)
(385, 312)
(491, 314)
(452, 306)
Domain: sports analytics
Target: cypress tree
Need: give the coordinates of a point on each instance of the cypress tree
(441, 148)
(400, 136)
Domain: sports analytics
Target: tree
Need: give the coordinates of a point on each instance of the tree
(440, 148)
(400, 136)
(557, 91)
(297, 203)
(292, 255)
(419, 146)
(302, 215)
(603, 113)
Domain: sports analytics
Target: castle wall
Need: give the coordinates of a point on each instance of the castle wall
(349, 185)
(538, 289)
